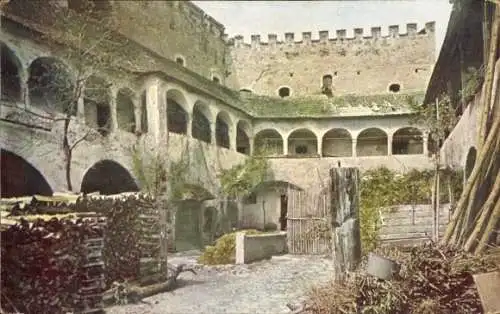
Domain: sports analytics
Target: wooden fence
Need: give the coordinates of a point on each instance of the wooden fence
(308, 222)
(405, 225)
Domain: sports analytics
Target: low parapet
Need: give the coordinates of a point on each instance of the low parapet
(341, 35)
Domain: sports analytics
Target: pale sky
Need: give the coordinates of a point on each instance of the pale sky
(264, 17)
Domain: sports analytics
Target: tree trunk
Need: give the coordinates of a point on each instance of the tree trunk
(345, 220)
(68, 154)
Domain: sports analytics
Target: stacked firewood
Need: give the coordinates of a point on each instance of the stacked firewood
(42, 263)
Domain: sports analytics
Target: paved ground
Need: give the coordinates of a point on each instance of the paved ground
(262, 287)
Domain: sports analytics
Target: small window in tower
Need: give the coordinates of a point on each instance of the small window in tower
(394, 88)
(301, 149)
(335, 73)
(326, 88)
(179, 60)
(284, 92)
(215, 79)
(358, 73)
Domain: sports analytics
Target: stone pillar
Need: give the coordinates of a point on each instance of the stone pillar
(213, 139)
(137, 113)
(426, 144)
(113, 124)
(233, 138)
(285, 146)
(189, 131)
(25, 91)
(320, 147)
(153, 103)
(251, 144)
(389, 144)
(354, 146)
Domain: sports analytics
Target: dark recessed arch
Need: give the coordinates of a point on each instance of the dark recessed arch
(19, 178)
(200, 128)
(125, 110)
(11, 79)
(337, 143)
(268, 142)
(177, 116)
(242, 137)
(108, 177)
(407, 141)
(222, 128)
(97, 98)
(302, 142)
(372, 142)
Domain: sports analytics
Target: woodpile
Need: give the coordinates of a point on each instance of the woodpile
(51, 266)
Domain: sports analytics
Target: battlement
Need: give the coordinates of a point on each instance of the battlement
(341, 36)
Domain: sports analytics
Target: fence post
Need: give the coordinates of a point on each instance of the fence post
(346, 237)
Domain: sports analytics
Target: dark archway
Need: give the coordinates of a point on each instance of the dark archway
(222, 125)
(470, 162)
(337, 143)
(19, 178)
(177, 117)
(125, 110)
(200, 128)
(407, 141)
(268, 142)
(51, 85)
(108, 177)
(97, 98)
(242, 139)
(11, 80)
(372, 142)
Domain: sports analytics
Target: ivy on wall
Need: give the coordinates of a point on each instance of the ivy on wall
(241, 179)
(382, 188)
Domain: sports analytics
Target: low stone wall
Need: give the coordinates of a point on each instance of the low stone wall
(255, 247)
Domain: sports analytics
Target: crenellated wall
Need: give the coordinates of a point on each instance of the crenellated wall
(361, 64)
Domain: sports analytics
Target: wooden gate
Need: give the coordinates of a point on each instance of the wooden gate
(308, 222)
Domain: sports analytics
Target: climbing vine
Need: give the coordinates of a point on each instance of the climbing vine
(382, 188)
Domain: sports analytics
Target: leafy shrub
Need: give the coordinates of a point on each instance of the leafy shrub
(224, 250)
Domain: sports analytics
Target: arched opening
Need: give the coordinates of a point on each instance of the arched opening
(144, 113)
(337, 143)
(201, 123)
(470, 162)
(268, 143)
(222, 123)
(242, 139)
(19, 178)
(11, 80)
(302, 142)
(407, 141)
(189, 218)
(108, 177)
(179, 61)
(96, 101)
(177, 117)
(372, 142)
(125, 110)
(216, 79)
(394, 88)
(284, 92)
(51, 86)
(327, 85)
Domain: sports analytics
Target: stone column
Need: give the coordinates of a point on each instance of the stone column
(213, 139)
(153, 104)
(137, 113)
(354, 147)
(426, 144)
(285, 146)
(113, 126)
(389, 144)
(251, 145)
(320, 147)
(233, 138)
(25, 91)
(189, 131)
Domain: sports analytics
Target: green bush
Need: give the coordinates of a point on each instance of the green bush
(224, 250)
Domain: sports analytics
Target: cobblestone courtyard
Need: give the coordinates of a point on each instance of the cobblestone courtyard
(262, 287)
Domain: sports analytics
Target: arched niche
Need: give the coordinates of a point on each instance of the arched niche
(268, 142)
(407, 141)
(189, 217)
(125, 110)
(200, 128)
(97, 98)
(222, 129)
(19, 178)
(177, 116)
(302, 142)
(372, 142)
(242, 138)
(51, 86)
(470, 162)
(108, 177)
(337, 143)
(11, 78)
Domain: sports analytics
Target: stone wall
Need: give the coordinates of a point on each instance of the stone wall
(256, 247)
(365, 65)
(175, 29)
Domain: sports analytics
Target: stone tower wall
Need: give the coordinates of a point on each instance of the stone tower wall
(362, 64)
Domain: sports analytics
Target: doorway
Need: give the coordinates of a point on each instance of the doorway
(283, 211)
